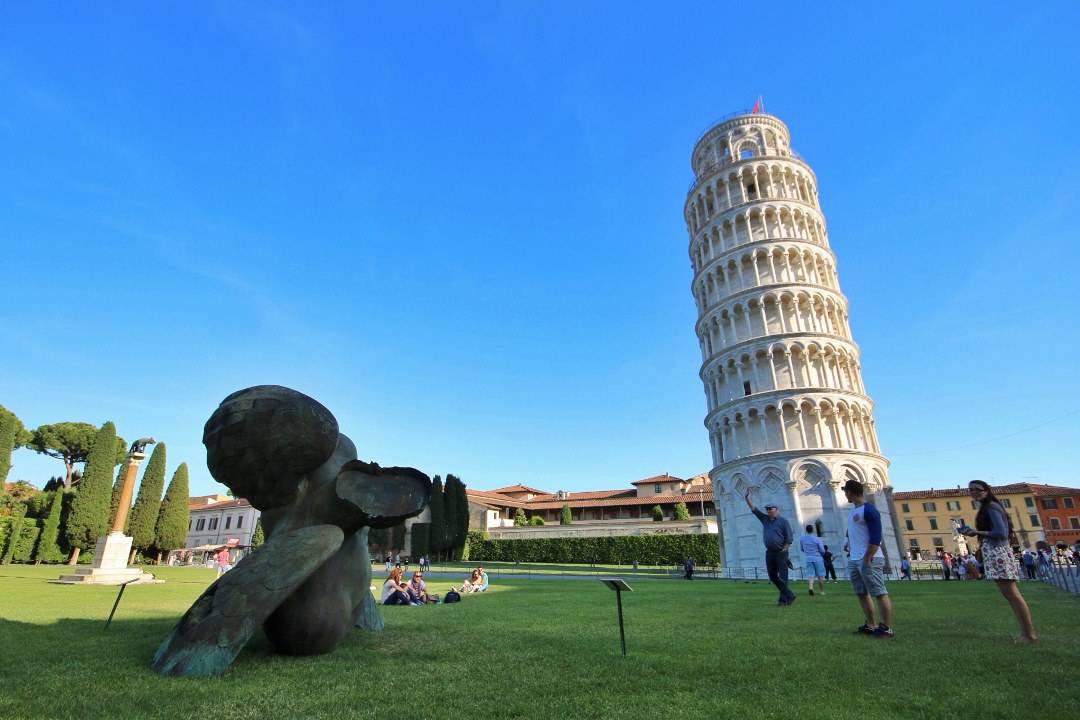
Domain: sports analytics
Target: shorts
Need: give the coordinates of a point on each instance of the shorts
(868, 580)
(815, 568)
(999, 563)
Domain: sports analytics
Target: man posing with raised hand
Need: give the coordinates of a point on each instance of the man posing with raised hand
(866, 563)
(776, 532)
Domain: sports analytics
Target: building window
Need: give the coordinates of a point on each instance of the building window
(1049, 504)
(909, 524)
(1029, 501)
(213, 524)
(1055, 524)
(929, 507)
(658, 489)
(913, 543)
(239, 521)
(746, 387)
(1034, 520)
(933, 523)
(975, 505)
(200, 524)
(904, 507)
(1069, 503)
(228, 521)
(1074, 523)
(953, 505)
(938, 544)
(1005, 502)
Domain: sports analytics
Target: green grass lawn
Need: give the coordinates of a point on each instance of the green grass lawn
(549, 648)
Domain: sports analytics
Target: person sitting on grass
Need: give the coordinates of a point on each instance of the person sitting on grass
(473, 582)
(393, 592)
(416, 589)
(483, 579)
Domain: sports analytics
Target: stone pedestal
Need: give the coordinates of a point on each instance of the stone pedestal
(109, 566)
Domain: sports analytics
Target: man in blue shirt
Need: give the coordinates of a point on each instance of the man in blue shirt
(776, 532)
(866, 562)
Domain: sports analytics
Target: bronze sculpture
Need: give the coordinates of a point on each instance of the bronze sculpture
(309, 584)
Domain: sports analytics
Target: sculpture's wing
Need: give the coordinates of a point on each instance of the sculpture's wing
(218, 625)
(384, 497)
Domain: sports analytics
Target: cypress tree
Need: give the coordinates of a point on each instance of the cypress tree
(7, 443)
(118, 487)
(16, 532)
(47, 548)
(519, 518)
(437, 535)
(257, 536)
(143, 517)
(12, 435)
(565, 516)
(462, 524)
(89, 518)
(449, 516)
(681, 511)
(174, 517)
(657, 513)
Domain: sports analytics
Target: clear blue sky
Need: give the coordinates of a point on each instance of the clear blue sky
(460, 227)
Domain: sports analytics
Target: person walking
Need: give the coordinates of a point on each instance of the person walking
(866, 562)
(688, 565)
(812, 549)
(993, 528)
(1029, 564)
(777, 536)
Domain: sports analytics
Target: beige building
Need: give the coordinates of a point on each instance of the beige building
(597, 513)
(928, 518)
(788, 416)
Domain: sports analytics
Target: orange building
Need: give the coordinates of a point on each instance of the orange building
(1059, 509)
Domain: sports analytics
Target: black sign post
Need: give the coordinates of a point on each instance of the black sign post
(618, 585)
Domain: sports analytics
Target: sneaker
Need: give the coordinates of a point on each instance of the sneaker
(791, 601)
(811, 591)
(863, 629)
(882, 632)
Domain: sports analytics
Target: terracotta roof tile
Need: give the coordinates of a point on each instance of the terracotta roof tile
(1011, 489)
(622, 500)
(658, 479)
(520, 488)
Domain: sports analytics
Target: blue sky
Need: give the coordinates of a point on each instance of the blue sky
(461, 229)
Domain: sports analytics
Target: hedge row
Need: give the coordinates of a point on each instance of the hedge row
(23, 551)
(618, 550)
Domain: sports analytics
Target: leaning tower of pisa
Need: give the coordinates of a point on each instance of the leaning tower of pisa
(788, 416)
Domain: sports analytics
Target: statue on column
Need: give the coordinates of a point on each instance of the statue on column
(309, 583)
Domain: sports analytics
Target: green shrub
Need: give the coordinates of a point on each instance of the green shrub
(657, 513)
(624, 549)
(681, 511)
(536, 520)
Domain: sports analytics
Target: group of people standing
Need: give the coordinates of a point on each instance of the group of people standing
(866, 561)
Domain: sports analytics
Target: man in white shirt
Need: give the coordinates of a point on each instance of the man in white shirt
(866, 562)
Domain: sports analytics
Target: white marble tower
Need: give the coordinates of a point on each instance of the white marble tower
(788, 415)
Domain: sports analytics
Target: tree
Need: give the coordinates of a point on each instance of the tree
(89, 518)
(12, 435)
(457, 512)
(16, 532)
(657, 513)
(258, 537)
(117, 491)
(519, 518)
(450, 501)
(171, 529)
(143, 517)
(681, 513)
(437, 536)
(71, 442)
(565, 516)
(15, 494)
(47, 548)
(536, 520)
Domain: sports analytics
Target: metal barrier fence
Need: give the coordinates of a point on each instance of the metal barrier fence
(1061, 573)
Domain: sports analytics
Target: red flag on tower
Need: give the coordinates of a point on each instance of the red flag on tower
(757, 106)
